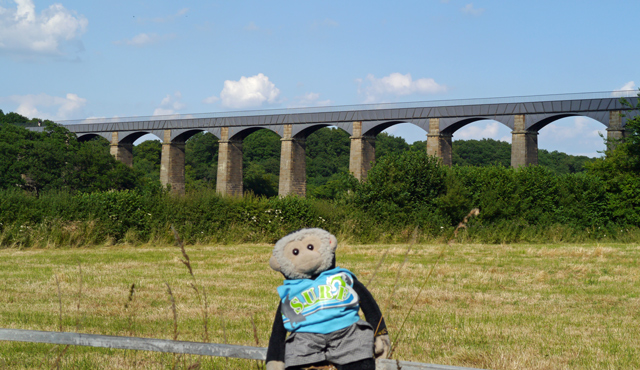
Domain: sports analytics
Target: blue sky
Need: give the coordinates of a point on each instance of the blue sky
(78, 59)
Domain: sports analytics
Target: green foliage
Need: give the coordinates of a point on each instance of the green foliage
(201, 161)
(259, 182)
(327, 155)
(485, 152)
(620, 171)
(400, 185)
(54, 159)
(19, 120)
(489, 152)
(389, 145)
(261, 162)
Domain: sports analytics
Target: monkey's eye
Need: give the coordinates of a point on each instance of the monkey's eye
(310, 247)
(295, 252)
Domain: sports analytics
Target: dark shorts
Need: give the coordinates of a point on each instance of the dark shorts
(343, 346)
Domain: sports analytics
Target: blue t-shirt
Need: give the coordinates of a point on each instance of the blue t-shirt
(321, 306)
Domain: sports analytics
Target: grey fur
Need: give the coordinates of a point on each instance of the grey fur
(326, 251)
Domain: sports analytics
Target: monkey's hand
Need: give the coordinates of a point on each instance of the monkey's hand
(275, 365)
(382, 346)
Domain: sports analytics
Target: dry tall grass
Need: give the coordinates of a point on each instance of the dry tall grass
(485, 306)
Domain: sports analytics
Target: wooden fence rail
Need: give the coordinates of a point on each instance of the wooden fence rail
(172, 346)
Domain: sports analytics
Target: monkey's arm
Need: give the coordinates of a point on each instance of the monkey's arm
(373, 315)
(370, 308)
(275, 352)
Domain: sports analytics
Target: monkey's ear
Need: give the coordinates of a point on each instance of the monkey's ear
(273, 263)
(333, 242)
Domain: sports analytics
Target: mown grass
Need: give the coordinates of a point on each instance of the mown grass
(509, 306)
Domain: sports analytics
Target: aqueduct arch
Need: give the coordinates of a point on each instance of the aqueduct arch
(524, 115)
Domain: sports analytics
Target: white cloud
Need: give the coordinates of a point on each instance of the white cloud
(248, 92)
(477, 132)
(22, 31)
(47, 106)
(145, 39)
(581, 127)
(309, 100)
(573, 135)
(408, 131)
(624, 90)
(469, 9)
(397, 84)
(210, 100)
(170, 104)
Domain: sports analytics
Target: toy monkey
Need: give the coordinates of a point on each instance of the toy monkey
(319, 305)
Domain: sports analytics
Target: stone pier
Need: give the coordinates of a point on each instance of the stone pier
(229, 180)
(524, 144)
(293, 170)
(363, 152)
(615, 132)
(172, 164)
(438, 143)
(121, 152)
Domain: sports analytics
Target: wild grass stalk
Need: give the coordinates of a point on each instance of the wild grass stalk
(58, 360)
(194, 284)
(59, 304)
(130, 317)
(78, 317)
(375, 272)
(173, 309)
(127, 304)
(175, 321)
(259, 363)
(224, 329)
(389, 305)
(461, 225)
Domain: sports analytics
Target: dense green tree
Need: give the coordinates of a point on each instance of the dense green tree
(485, 152)
(19, 120)
(261, 162)
(389, 145)
(402, 183)
(259, 182)
(54, 159)
(95, 169)
(562, 163)
(201, 160)
(146, 160)
(620, 169)
(420, 146)
(488, 152)
(263, 148)
(327, 152)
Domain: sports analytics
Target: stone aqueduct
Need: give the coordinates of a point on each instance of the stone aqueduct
(440, 119)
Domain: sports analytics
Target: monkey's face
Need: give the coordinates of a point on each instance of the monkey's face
(305, 254)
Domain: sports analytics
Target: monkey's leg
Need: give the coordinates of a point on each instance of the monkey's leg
(366, 364)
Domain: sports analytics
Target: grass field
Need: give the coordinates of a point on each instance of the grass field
(486, 306)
